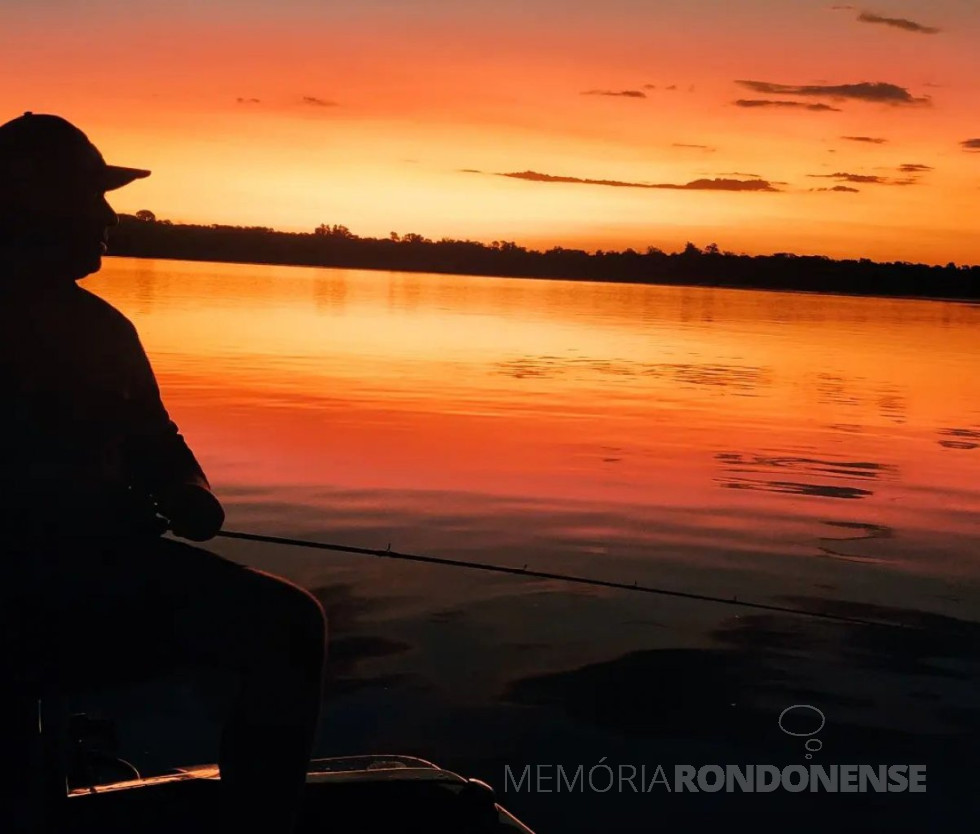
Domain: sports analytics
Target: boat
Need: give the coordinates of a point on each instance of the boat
(76, 784)
(73, 782)
(364, 794)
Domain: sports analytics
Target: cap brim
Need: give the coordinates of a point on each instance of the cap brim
(117, 177)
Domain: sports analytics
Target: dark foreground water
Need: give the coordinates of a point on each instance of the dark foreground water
(800, 450)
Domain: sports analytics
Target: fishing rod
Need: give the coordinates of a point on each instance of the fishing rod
(388, 553)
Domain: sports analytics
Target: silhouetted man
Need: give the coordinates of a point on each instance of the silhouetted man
(90, 461)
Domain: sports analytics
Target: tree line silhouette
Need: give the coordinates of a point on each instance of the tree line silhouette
(143, 235)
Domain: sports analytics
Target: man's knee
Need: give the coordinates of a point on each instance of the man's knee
(310, 620)
(296, 616)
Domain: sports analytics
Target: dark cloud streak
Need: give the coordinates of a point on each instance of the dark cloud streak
(898, 23)
(868, 179)
(619, 93)
(873, 140)
(765, 102)
(865, 178)
(880, 92)
(694, 185)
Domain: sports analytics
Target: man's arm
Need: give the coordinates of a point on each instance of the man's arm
(158, 459)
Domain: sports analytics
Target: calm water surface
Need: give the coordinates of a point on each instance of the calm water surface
(795, 449)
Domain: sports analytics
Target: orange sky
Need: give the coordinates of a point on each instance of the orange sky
(402, 116)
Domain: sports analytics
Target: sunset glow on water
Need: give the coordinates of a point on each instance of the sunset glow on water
(790, 449)
(715, 406)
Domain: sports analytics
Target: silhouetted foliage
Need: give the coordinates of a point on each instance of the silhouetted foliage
(146, 216)
(337, 246)
(334, 231)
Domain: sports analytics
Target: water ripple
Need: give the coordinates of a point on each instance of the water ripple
(960, 438)
(738, 469)
(741, 378)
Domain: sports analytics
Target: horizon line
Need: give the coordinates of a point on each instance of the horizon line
(260, 229)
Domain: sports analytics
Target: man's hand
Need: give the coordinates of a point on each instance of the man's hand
(193, 511)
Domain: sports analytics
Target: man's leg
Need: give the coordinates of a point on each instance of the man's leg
(190, 606)
(267, 739)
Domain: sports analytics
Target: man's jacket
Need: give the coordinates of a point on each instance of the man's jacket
(85, 440)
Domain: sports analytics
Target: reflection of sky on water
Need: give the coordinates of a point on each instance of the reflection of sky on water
(740, 471)
(738, 444)
(742, 381)
(965, 439)
(863, 533)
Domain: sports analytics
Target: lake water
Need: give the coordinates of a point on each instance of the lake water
(794, 449)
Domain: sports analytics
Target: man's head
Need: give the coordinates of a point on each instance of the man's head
(53, 213)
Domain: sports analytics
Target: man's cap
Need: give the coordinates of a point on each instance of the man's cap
(40, 149)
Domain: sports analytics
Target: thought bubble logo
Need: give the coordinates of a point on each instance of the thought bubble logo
(803, 721)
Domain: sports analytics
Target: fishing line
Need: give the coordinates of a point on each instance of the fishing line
(562, 577)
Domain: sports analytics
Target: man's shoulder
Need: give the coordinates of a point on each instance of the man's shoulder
(97, 307)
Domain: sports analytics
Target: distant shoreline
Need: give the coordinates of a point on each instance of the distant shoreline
(636, 283)
(335, 247)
